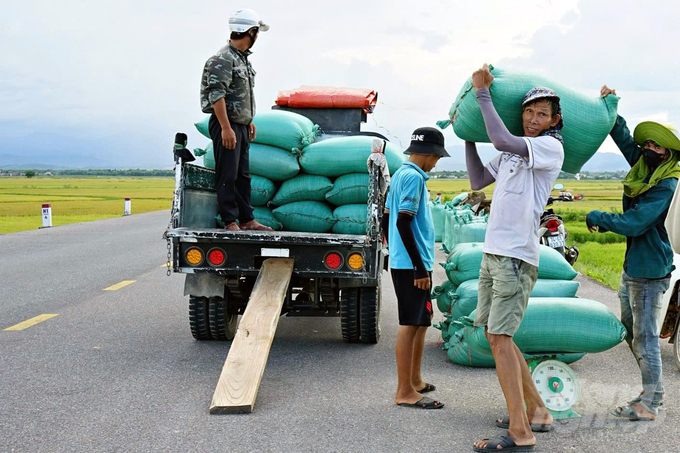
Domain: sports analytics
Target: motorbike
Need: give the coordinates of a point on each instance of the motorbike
(552, 231)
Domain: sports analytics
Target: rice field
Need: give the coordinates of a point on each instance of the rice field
(76, 200)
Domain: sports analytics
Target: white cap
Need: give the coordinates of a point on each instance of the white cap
(245, 19)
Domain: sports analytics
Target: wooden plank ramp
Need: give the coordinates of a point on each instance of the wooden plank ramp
(239, 382)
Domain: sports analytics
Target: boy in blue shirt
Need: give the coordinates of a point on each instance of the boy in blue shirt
(410, 235)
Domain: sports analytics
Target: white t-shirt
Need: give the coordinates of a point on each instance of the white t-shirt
(522, 189)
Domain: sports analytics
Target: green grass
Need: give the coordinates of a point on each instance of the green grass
(77, 200)
(601, 254)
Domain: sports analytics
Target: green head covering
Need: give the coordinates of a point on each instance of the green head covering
(662, 135)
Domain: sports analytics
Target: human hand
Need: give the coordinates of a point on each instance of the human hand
(605, 91)
(422, 283)
(252, 131)
(482, 78)
(228, 138)
(589, 223)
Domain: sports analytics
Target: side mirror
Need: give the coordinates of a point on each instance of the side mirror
(181, 152)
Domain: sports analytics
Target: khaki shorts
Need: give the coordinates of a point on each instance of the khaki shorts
(505, 285)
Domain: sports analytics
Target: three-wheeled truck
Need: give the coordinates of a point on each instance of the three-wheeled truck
(334, 274)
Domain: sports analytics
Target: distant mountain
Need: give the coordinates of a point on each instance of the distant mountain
(599, 162)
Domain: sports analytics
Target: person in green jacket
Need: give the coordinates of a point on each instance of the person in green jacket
(652, 152)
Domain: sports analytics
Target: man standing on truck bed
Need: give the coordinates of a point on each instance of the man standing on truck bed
(227, 94)
(524, 174)
(410, 235)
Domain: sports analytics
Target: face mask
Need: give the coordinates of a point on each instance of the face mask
(653, 159)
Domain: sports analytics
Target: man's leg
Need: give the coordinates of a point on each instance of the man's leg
(242, 184)
(226, 165)
(418, 348)
(537, 413)
(646, 296)
(404, 348)
(509, 371)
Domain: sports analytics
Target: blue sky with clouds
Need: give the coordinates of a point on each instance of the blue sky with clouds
(110, 82)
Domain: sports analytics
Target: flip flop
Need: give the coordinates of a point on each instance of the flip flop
(638, 399)
(506, 443)
(427, 388)
(424, 403)
(629, 413)
(535, 427)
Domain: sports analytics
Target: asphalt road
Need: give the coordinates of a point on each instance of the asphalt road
(118, 371)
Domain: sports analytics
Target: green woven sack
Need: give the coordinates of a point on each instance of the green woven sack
(265, 217)
(279, 128)
(553, 324)
(286, 130)
(472, 232)
(303, 188)
(587, 120)
(203, 126)
(349, 189)
(340, 156)
(465, 261)
(261, 190)
(438, 218)
(350, 219)
(305, 216)
(273, 163)
(267, 161)
(443, 294)
(464, 298)
(458, 351)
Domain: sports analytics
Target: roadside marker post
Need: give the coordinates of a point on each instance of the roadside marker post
(128, 207)
(46, 215)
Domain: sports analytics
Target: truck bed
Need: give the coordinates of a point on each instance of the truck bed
(266, 237)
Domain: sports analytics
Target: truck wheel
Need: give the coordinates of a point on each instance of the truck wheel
(222, 324)
(349, 314)
(198, 318)
(369, 301)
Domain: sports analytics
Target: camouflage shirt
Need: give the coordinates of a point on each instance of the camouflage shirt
(229, 75)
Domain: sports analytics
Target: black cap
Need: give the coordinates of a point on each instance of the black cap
(427, 140)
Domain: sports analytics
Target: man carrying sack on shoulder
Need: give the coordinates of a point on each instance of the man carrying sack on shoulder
(524, 174)
(652, 152)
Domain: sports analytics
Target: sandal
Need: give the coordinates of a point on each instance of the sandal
(535, 427)
(505, 442)
(628, 412)
(427, 388)
(424, 403)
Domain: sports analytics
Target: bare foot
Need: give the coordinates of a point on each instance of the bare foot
(255, 225)
(233, 226)
(408, 399)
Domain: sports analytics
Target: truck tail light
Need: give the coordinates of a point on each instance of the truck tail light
(333, 260)
(355, 261)
(217, 257)
(194, 256)
(552, 225)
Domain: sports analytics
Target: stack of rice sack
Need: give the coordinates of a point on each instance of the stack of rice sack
(553, 318)
(304, 181)
(587, 120)
(455, 223)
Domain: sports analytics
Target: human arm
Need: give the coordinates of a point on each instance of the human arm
(500, 136)
(479, 175)
(635, 221)
(228, 134)
(621, 134)
(217, 76)
(421, 276)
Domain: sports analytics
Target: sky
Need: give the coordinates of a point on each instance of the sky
(112, 81)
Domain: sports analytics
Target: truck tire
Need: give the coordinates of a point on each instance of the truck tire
(222, 324)
(349, 315)
(198, 318)
(369, 303)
